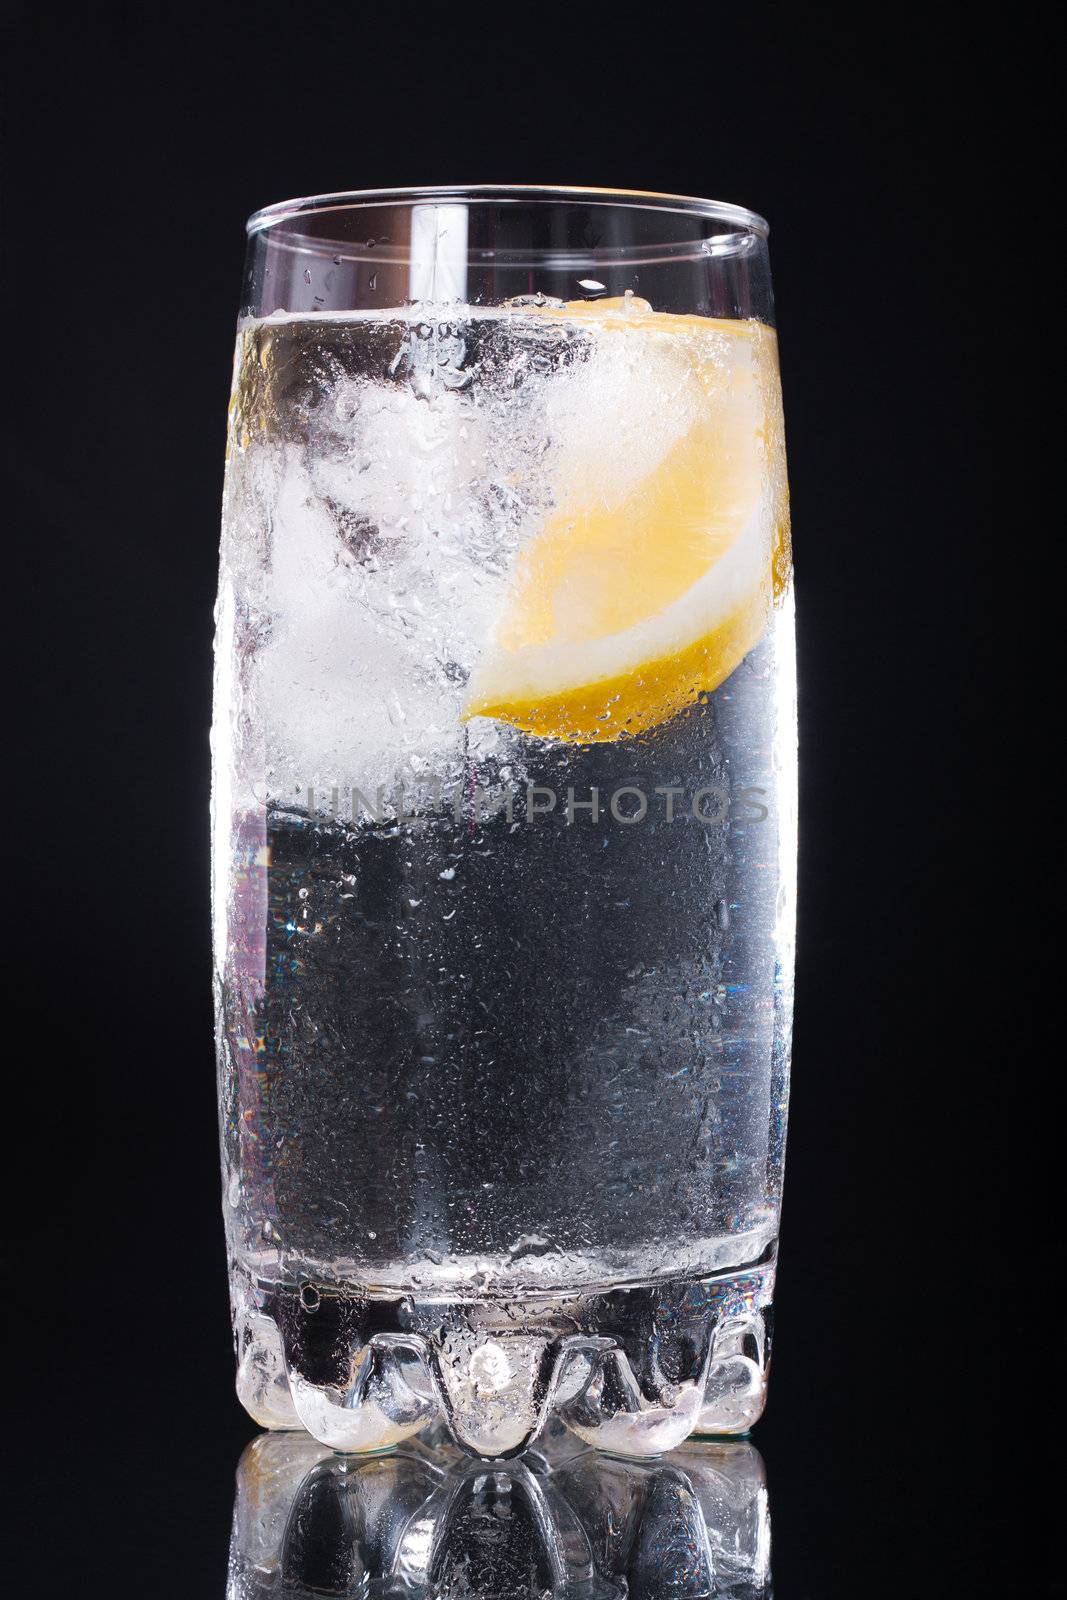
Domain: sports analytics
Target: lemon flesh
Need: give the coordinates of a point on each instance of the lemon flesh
(656, 570)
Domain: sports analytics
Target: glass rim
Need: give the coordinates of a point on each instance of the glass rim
(739, 222)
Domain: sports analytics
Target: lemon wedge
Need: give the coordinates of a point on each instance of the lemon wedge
(655, 572)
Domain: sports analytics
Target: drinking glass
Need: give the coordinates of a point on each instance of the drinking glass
(503, 814)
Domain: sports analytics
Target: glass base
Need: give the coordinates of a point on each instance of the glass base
(633, 1370)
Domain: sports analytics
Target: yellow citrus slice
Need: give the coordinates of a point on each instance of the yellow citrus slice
(654, 574)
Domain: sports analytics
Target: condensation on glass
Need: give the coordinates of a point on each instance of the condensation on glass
(504, 818)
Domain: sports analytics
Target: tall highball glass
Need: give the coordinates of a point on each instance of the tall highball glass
(503, 810)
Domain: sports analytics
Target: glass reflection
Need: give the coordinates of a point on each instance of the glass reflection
(561, 1522)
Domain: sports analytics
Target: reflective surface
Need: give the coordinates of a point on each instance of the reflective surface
(561, 1522)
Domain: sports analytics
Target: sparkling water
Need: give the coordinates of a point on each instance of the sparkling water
(502, 1018)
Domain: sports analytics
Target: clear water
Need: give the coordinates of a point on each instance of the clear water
(473, 1038)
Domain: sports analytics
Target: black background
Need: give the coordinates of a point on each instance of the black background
(138, 139)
